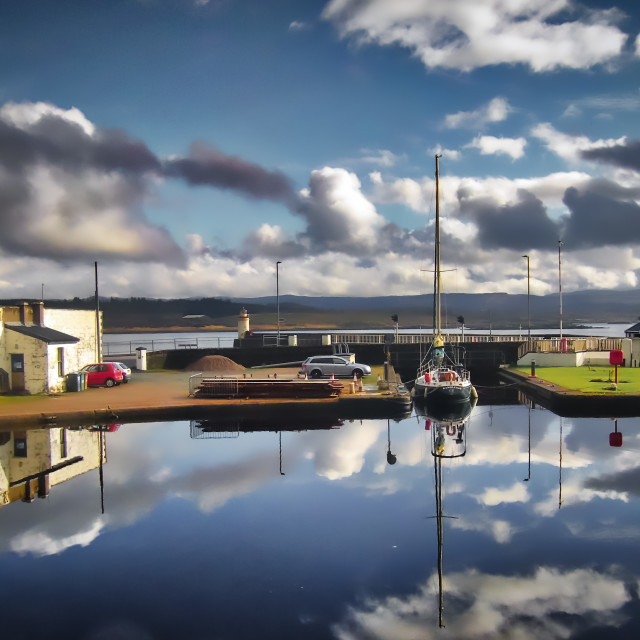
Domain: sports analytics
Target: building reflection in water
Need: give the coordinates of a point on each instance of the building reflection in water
(32, 462)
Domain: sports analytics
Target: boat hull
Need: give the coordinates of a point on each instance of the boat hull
(445, 394)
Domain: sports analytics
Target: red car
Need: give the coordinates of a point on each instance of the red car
(104, 373)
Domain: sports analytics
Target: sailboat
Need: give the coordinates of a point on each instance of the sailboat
(440, 380)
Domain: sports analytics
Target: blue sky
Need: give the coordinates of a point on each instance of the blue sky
(188, 145)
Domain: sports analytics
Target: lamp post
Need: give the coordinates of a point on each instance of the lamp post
(278, 263)
(528, 299)
(560, 282)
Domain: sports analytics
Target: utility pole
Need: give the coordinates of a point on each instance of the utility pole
(528, 298)
(560, 282)
(278, 263)
(98, 340)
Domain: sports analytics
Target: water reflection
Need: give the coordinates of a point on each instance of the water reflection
(448, 440)
(340, 547)
(33, 462)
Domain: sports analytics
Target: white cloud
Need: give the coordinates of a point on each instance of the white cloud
(338, 215)
(418, 195)
(449, 154)
(382, 157)
(25, 115)
(483, 605)
(297, 25)
(493, 496)
(490, 145)
(42, 544)
(571, 111)
(567, 146)
(497, 110)
(343, 454)
(462, 35)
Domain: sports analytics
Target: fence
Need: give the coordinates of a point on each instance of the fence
(165, 344)
(568, 345)
(537, 345)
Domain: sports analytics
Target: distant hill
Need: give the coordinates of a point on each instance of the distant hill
(501, 310)
(498, 310)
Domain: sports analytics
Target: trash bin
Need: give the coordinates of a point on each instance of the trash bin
(82, 383)
(73, 382)
(141, 359)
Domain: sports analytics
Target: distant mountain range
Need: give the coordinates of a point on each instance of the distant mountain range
(482, 310)
(500, 310)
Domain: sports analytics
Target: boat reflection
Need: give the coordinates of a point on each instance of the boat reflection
(448, 435)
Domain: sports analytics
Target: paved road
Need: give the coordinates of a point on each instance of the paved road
(148, 392)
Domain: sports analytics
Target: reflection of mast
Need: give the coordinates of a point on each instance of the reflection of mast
(529, 467)
(100, 471)
(454, 433)
(280, 434)
(560, 471)
(439, 516)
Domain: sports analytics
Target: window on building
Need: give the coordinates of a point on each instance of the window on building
(60, 362)
(20, 444)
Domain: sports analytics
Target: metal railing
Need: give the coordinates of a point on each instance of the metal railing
(165, 344)
(568, 345)
(538, 345)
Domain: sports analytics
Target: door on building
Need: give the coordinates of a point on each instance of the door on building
(17, 373)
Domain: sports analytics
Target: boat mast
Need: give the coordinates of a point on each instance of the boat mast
(437, 253)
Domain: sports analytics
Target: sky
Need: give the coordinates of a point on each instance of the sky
(188, 146)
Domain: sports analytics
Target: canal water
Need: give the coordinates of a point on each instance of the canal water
(213, 531)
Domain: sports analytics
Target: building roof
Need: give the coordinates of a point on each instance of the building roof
(45, 334)
(634, 329)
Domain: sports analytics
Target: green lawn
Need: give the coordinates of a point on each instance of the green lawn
(590, 379)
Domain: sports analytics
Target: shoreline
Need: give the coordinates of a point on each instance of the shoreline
(164, 395)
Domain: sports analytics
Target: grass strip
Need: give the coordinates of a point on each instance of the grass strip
(590, 378)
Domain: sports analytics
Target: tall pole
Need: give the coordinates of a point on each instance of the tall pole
(437, 251)
(98, 340)
(528, 299)
(560, 282)
(278, 263)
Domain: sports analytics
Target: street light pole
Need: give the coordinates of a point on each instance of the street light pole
(528, 299)
(560, 282)
(278, 263)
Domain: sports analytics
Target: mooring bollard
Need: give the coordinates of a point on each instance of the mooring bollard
(533, 368)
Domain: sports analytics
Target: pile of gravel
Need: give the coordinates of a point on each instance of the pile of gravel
(219, 364)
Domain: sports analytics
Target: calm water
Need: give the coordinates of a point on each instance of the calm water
(313, 534)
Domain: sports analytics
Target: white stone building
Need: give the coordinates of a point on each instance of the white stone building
(39, 347)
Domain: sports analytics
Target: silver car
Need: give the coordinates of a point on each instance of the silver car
(126, 372)
(319, 366)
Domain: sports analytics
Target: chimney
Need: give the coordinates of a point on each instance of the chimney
(23, 312)
(38, 313)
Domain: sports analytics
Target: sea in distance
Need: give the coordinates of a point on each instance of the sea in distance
(327, 529)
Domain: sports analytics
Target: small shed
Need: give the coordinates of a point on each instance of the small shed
(633, 332)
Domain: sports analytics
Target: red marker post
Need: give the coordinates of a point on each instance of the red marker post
(616, 357)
